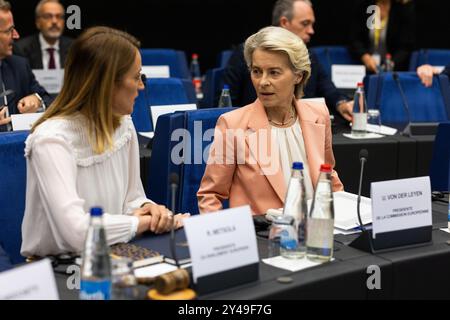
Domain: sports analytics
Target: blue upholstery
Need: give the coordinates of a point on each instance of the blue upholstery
(440, 162)
(161, 164)
(223, 58)
(435, 57)
(141, 113)
(425, 104)
(196, 122)
(12, 190)
(176, 60)
(5, 262)
(212, 87)
(190, 90)
(329, 55)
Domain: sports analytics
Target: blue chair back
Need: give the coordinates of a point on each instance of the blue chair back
(425, 104)
(223, 58)
(212, 87)
(440, 162)
(329, 55)
(12, 189)
(435, 57)
(176, 60)
(161, 161)
(196, 154)
(141, 113)
(190, 90)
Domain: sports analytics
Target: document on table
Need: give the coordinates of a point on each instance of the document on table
(293, 265)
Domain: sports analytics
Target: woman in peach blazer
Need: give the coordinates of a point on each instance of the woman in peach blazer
(254, 146)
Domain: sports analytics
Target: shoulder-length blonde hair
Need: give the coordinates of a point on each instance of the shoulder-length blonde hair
(281, 40)
(95, 64)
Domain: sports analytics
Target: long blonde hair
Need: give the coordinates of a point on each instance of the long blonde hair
(96, 62)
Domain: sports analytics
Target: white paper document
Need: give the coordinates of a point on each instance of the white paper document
(385, 130)
(24, 121)
(221, 241)
(292, 265)
(361, 137)
(156, 71)
(156, 270)
(149, 135)
(446, 230)
(158, 111)
(34, 281)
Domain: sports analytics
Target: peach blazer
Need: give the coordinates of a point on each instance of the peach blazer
(256, 179)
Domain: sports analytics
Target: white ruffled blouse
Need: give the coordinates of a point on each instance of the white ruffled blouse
(65, 178)
(292, 149)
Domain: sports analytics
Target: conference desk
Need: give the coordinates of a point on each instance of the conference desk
(415, 273)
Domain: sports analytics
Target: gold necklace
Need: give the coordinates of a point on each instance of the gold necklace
(284, 123)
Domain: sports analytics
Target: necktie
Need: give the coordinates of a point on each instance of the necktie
(51, 61)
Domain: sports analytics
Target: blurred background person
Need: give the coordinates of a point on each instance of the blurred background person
(426, 73)
(395, 35)
(292, 129)
(48, 48)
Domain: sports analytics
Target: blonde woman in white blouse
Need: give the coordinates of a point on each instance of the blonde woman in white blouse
(83, 152)
(254, 147)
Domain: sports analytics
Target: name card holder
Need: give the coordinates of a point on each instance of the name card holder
(227, 279)
(394, 240)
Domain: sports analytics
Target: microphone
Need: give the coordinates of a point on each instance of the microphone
(363, 157)
(406, 131)
(174, 181)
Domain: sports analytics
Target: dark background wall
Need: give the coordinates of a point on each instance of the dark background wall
(209, 26)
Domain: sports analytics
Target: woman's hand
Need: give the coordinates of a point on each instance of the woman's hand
(426, 73)
(3, 118)
(369, 62)
(158, 218)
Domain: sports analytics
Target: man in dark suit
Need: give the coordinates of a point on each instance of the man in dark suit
(296, 16)
(48, 48)
(15, 74)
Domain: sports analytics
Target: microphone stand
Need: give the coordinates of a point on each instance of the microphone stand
(407, 130)
(173, 187)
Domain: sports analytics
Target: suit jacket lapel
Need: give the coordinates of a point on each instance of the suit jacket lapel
(36, 53)
(263, 151)
(313, 137)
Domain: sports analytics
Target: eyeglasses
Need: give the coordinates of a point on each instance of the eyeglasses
(49, 16)
(9, 31)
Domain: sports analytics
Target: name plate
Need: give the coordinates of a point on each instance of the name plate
(347, 76)
(156, 71)
(24, 121)
(157, 111)
(34, 281)
(51, 80)
(401, 205)
(221, 241)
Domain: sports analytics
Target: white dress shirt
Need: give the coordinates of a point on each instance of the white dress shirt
(292, 149)
(46, 55)
(65, 178)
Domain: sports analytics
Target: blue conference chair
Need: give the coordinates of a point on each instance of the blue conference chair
(5, 262)
(212, 87)
(440, 162)
(425, 104)
(435, 57)
(329, 55)
(158, 92)
(175, 59)
(12, 190)
(196, 152)
(162, 163)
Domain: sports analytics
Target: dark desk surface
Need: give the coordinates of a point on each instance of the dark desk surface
(412, 273)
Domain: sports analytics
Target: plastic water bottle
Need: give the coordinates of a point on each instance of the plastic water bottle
(321, 219)
(388, 63)
(225, 98)
(196, 74)
(359, 124)
(96, 267)
(295, 205)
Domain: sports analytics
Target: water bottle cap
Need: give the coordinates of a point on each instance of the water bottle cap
(297, 166)
(227, 87)
(96, 212)
(325, 168)
(194, 56)
(360, 85)
(388, 56)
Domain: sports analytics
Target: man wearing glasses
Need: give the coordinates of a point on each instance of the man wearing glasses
(19, 90)
(47, 49)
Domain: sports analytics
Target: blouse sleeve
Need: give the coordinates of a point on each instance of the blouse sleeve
(55, 167)
(135, 197)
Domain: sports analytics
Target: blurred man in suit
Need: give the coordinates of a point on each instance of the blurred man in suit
(298, 17)
(48, 48)
(27, 96)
